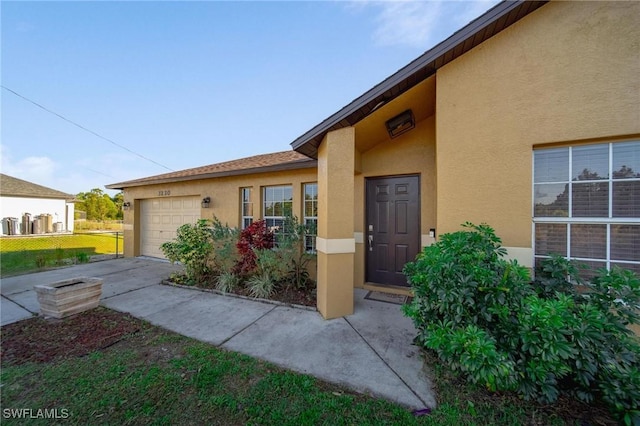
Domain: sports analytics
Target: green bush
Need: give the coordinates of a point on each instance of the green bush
(224, 252)
(227, 258)
(556, 274)
(269, 271)
(483, 317)
(291, 251)
(227, 281)
(192, 248)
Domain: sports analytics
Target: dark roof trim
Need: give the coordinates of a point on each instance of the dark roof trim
(14, 187)
(296, 165)
(482, 28)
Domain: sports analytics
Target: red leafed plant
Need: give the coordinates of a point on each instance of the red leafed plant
(254, 236)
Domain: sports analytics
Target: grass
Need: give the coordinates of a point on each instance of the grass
(157, 377)
(94, 225)
(26, 254)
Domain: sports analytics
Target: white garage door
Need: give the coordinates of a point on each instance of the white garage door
(161, 217)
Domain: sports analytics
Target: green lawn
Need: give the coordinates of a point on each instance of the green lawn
(20, 255)
(154, 376)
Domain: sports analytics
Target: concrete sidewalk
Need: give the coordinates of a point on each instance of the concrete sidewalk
(369, 351)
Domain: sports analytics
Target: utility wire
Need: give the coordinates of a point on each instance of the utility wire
(84, 128)
(100, 173)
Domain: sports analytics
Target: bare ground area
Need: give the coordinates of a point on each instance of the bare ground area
(45, 340)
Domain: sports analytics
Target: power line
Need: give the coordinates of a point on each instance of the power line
(100, 173)
(84, 128)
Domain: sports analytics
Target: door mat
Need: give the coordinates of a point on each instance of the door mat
(397, 299)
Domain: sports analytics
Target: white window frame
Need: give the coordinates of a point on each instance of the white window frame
(267, 218)
(246, 220)
(609, 221)
(310, 238)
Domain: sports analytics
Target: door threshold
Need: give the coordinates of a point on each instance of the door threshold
(385, 288)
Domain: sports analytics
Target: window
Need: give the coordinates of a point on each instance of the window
(246, 207)
(310, 214)
(278, 204)
(586, 204)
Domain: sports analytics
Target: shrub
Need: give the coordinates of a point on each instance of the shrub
(224, 251)
(191, 247)
(261, 285)
(612, 301)
(270, 270)
(616, 293)
(283, 264)
(227, 281)
(292, 252)
(556, 274)
(462, 279)
(254, 236)
(483, 317)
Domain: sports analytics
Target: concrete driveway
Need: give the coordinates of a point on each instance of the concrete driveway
(370, 351)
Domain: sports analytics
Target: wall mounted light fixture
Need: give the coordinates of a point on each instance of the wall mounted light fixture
(401, 123)
(126, 205)
(206, 201)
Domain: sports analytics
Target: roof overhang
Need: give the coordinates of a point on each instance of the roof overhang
(477, 31)
(293, 165)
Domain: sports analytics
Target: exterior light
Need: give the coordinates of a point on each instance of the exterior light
(206, 201)
(126, 205)
(400, 124)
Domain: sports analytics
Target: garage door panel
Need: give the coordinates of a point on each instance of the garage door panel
(160, 218)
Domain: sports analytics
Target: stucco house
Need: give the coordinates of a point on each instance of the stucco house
(527, 118)
(25, 202)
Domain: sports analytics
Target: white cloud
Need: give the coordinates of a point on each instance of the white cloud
(34, 169)
(407, 22)
(421, 24)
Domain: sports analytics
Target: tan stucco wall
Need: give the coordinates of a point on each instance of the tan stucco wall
(411, 153)
(567, 72)
(335, 241)
(225, 198)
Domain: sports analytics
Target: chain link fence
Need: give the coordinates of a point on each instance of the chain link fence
(28, 253)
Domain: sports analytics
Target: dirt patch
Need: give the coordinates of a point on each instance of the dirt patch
(284, 294)
(45, 340)
(289, 296)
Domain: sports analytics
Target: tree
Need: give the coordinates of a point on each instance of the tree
(118, 199)
(97, 205)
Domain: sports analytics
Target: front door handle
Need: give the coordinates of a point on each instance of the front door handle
(370, 242)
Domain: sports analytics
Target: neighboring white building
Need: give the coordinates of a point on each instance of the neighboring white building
(19, 198)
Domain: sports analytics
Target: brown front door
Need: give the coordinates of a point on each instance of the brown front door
(392, 236)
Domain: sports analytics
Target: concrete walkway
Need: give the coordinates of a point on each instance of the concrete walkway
(369, 351)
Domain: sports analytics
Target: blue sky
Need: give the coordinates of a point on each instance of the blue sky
(184, 84)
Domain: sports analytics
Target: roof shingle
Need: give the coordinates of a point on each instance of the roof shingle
(14, 187)
(286, 160)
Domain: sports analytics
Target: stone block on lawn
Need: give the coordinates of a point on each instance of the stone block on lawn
(63, 298)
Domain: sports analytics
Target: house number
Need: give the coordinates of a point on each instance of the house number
(164, 193)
